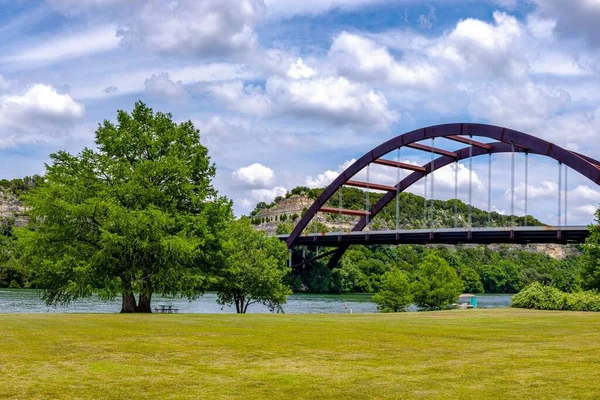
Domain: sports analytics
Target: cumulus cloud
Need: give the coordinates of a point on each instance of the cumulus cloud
(161, 85)
(363, 59)
(324, 179)
(255, 176)
(195, 27)
(300, 70)
(40, 114)
(249, 99)
(573, 19)
(336, 100)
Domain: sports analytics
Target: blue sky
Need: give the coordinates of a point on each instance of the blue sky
(288, 92)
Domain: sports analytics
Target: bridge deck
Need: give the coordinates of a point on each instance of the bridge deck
(517, 235)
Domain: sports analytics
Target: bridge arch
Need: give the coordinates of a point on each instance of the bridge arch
(507, 140)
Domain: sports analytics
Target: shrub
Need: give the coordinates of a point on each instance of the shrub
(540, 297)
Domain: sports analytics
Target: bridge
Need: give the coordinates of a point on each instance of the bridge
(480, 140)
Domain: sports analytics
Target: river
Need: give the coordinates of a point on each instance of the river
(28, 301)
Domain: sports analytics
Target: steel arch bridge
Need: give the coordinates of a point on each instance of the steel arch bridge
(503, 140)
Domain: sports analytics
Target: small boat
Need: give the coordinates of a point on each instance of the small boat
(466, 301)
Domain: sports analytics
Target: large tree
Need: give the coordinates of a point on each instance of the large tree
(254, 268)
(395, 293)
(435, 284)
(137, 215)
(590, 266)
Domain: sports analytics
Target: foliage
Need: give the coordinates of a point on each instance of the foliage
(436, 284)
(20, 186)
(395, 292)
(540, 297)
(139, 215)
(254, 268)
(590, 268)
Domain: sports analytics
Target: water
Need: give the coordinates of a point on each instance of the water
(28, 301)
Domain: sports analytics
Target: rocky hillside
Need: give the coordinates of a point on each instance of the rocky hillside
(289, 208)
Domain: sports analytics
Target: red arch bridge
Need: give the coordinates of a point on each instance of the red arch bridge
(489, 140)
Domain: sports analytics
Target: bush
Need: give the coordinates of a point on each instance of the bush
(540, 297)
(14, 285)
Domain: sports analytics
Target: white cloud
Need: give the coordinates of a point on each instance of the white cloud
(40, 114)
(249, 99)
(361, 58)
(585, 193)
(332, 99)
(574, 18)
(133, 81)
(267, 195)
(300, 70)
(255, 175)
(324, 179)
(161, 85)
(68, 46)
(506, 104)
(201, 28)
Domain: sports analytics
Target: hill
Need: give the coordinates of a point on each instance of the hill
(281, 215)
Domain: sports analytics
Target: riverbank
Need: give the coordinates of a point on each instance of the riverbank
(25, 301)
(452, 354)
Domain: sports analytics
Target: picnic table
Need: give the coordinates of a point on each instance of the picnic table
(166, 309)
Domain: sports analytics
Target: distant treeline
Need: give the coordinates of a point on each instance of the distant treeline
(19, 186)
(481, 269)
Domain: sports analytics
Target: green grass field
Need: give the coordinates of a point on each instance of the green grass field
(471, 354)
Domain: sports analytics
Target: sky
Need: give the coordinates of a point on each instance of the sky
(290, 92)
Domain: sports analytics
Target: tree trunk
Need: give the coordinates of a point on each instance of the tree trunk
(144, 303)
(239, 303)
(128, 305)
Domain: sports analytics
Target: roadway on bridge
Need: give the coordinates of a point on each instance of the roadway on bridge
(517, 235)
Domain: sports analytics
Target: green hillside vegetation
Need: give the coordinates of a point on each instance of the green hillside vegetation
(481, 269)
(12, 273)
(412, 211)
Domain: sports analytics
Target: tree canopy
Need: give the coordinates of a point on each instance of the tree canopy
(137, 215)
(254, 268)
(590, 269)
(436, 284)
(395, 294)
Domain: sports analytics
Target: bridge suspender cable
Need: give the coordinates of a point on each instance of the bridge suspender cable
(456, 194)
(566, 193)
(398, 190)
(559, 192)
(470, 180)
(367, 206)
(526, 182)
(340, 216)
(490, 189)
(512, 185)
(432, 182)
(425, 200)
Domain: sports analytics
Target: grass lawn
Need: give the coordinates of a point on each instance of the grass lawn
(470, 354)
